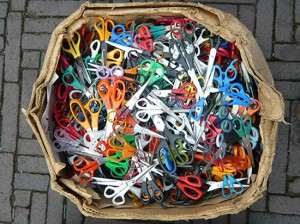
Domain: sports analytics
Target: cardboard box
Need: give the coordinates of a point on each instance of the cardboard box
(218, 22)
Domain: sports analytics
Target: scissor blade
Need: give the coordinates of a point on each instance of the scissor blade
(140, 129)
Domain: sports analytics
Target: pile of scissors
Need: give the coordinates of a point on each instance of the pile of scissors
(160, 110)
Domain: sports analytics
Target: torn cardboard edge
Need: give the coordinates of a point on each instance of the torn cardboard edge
(216, 21)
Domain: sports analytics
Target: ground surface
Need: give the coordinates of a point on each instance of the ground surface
(25, 28)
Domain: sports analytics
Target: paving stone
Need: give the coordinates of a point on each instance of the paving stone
(284, 204)
(55, 207)
(271, 218)
(1, 76)
(277, 178)
(12, 48)
(29, 147)
(121, 1)
(18, 5)
(240, 218)
(10, 116)
(3, 9)
(2, 23)
(246, 15)
(221, 219)
(294, 155)
(297, 11)
(230, 8)
(285, 70)
(264, 26)
(41, 25)
(32, 164)
(1, 43)
(294, 186)
(51, 8)
(287, 52)
(200, 221)
(35, 41)
(28, 79)
(226, 1)
(297, 34)
(183, 222)
(261, 204)
(289, 90)
(28, 181)
(6, 172)
(31, 59)
(284, 20)
(38, 208)
(73, 215)
(89, 220)
(21, 216)
(22, 198)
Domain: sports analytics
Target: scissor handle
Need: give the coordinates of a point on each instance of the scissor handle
(191, 180)
(117, 71)
(115, 55)
(238, 90)
(242, 125)
(229, 181)
(167, 161)
(73, 46)
(118, 169)
(120, 143)
(118, 93)
(78, 110)
(103, 72)
(121, 37)
(94, 107)
(197, 110)
(95, 47)
(86, 169)
(227, 73)
(253, 107)
(70, 79)
(190, 191)
(254, 136)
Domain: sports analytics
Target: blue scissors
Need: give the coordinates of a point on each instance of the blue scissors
(236, 95)
(242, 126)
(119, 36)
(231, 183)
(222, 77)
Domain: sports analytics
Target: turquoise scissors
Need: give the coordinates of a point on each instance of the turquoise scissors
(242, 126)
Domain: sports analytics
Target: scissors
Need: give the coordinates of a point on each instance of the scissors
(155, 70)
(223, 121)
(117, 189)
(223, 78)
(93, 107)
(104, 72)
(183, 51)
(61, 91)
(117, 144)
(129, 126)
(242, 126)
(189, 185)
(156, 31)
(86, 168)
(228, 182)
(72, 46)
(236, 96)
(119, 35)
(103, 28)
(184, 95)
(143, 38)
(112, 97)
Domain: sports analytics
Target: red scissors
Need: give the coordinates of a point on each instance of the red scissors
(185, 95)
(189, 185)
(86, 169)
(62, 91)
(144, 38)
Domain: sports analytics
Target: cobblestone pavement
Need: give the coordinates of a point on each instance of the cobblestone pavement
(25, 28)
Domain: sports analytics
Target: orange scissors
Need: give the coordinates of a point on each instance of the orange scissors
(119, 144)
(112, 97)
(103, 28)
(86, 168)
(93, 107)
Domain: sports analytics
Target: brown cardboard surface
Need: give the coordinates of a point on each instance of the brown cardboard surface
(219, 23)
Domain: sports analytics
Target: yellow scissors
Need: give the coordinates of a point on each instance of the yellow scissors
(79, 111)
(103, 28)
(72, 46)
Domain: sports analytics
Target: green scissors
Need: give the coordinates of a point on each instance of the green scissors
(242, 126)
(118, 169)
(155, 70)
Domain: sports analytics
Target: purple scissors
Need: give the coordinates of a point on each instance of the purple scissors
(104, 72)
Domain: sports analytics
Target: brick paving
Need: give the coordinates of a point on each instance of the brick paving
(25, 28)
